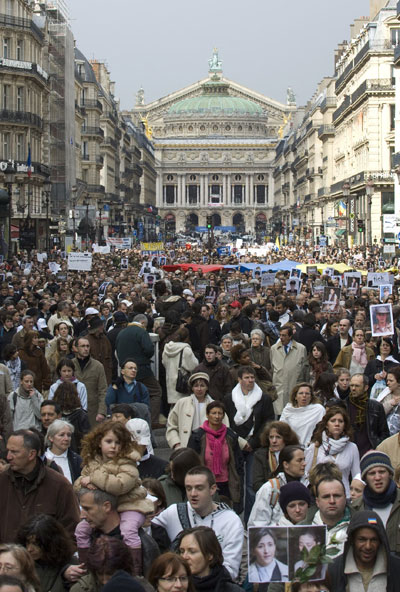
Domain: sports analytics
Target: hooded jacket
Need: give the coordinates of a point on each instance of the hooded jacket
(343, 571)
(170, 359)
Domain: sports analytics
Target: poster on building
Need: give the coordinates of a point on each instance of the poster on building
(80, 261)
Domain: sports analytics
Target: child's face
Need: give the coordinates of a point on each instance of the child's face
(110, 446)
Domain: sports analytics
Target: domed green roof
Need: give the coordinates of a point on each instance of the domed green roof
(215, 104)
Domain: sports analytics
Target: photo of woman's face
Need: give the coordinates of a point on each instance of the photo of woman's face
(306, 541)
(265, 550)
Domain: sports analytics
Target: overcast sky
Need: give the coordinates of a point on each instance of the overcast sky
(165, 45)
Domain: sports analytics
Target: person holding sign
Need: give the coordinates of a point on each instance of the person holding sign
(264, 565)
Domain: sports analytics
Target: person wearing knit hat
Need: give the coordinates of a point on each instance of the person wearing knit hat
(294, 499)
(189, 413)
(375, 458)
(381, 494)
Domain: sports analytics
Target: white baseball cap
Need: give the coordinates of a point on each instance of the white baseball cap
(140, 430)
(90, 311)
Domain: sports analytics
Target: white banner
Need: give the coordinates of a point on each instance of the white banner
(120, 243)
(103, 250)
(80, 261)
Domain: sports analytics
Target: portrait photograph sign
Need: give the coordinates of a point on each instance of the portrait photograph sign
(293, 285)
(267, 279)
(381, 316)
(331, 299)
(385, 291)
(304, 544)
(268, 554)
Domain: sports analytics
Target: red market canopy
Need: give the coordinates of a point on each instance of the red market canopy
(194, 266)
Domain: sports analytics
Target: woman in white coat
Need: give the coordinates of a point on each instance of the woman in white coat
(177, 354)
(303, 412)
(331, 443)
(189, 413)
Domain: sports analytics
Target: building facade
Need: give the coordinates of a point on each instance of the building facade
(214, 147)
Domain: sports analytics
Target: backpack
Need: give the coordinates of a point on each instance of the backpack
(183, 516)
(276, 487)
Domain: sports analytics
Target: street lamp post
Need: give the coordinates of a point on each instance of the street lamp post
(86, 204)
(9, 183)
(346, 195)
(369, 189)
(46, 193)
(100, 226)
(73, 203)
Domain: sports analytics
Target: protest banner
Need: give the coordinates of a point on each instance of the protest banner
(80, 261)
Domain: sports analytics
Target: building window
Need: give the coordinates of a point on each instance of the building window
(260, 194)
(192, 193)
(260, 178)
(20, 49)
(238, 194)
(21, 147)
(6, 96)
(215, 178)
(170, 194)
(9, 7)
(215, 193)
(20, 98)
(6, 47)
(238, 177)
(192, 177)
(392, 116)
(394, 37)
(170, 177)
(85, 154)
(6, 146)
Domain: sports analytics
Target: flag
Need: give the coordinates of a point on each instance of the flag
(342, 208)
(29, 161)
(277, 243)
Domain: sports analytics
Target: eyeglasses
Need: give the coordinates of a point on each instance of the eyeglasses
(174, 579)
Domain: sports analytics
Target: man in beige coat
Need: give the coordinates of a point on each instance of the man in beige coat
(289, 365)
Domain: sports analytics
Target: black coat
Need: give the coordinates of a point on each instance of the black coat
(75, 464)
(307, 336)
(197, 442)
(377, 427)
(152, 468)
(263, 411)
(80, 420)
(375, 367)
(214, 330)
(333, 347)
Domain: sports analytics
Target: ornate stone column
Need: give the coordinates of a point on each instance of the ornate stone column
(229, 191)
(251, 190)
(247, 191)
(184, 191)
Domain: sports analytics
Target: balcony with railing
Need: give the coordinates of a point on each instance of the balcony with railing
(87, 130)
(91, 104)
(327, 103)
(343, 107)
(325, 131)
(95, 189)
(21, 23)
(23, 117)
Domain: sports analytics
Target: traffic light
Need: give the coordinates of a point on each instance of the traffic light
(209, 222)
(321, 229)
(360, 225)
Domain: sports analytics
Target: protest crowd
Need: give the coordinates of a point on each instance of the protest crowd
(187, 419)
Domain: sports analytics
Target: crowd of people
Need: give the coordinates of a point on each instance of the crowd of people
(281, 414)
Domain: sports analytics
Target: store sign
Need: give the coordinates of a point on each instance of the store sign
(13, 166)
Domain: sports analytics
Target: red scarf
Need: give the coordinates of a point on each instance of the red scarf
(215, 439)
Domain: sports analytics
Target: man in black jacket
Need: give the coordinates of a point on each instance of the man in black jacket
(214, 328)
(366, 558)
(335, 344)
(367, 416)
(308, 334)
